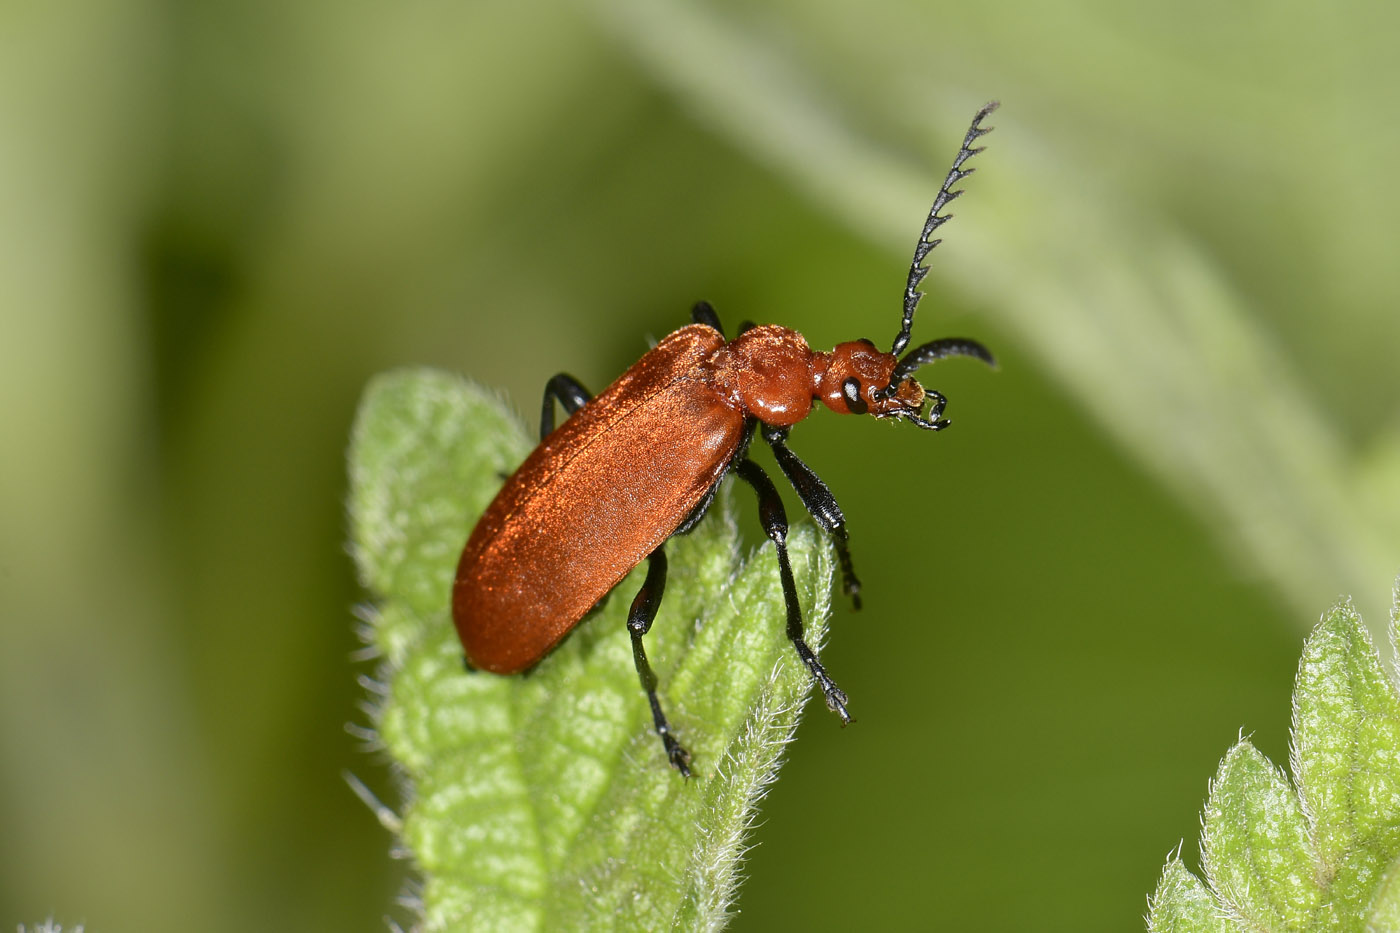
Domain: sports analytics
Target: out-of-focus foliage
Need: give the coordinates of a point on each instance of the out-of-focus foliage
(218, 219)
(1125, 314)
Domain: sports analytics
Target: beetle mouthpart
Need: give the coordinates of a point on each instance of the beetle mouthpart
(930, 420)
(929, 413)
(930, 352)
(928, 424)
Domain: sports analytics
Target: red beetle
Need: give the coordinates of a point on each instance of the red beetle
(642, 462)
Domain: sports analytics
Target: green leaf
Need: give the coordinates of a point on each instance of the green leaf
(1256, 848)
(544, 801)
(1385, 907)
(1322, 858)
(1182, 903)
(1346, 739)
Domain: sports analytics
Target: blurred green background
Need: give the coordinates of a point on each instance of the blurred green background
(218, 219)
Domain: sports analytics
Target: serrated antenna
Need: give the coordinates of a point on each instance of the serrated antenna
(917, 270)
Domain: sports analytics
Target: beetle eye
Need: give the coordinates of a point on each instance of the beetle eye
(850, 390)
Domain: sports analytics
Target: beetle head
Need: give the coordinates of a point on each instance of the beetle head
(859, 380)
(896, 394)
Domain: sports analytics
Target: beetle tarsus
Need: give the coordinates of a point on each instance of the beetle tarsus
(836, 701)
(643, 612)
(675, 752)
(774, 518)
(836, 698)
(679, 757)
(850, 585)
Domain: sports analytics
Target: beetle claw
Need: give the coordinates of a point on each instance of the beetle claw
(836, 701)
(679, 757)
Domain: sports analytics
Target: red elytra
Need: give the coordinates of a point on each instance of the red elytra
(642, 462)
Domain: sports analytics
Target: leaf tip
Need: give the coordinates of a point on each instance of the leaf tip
(1181, 903)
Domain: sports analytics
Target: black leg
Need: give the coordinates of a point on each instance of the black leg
(570, 393)
(639, 619)
(817, 497)
(704, 313)
(774, 518)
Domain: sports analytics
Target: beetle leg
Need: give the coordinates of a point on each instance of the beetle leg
(570, 393)
(639, 619)
(774, 518)
(704, 313)
(817, 497)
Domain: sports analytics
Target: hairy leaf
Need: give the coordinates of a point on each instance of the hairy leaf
(544, 801)
(1181, 902)
(1322, 857)
(1256, 848)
